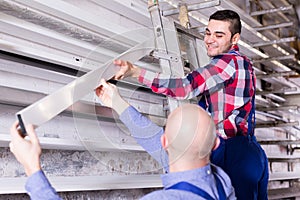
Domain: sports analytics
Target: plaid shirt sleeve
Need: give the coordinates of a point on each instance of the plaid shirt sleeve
(207, 79)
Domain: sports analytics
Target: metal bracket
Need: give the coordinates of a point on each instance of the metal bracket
(166, 56)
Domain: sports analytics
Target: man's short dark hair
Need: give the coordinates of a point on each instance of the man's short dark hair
(230, 16)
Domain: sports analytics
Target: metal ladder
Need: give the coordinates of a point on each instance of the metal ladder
(167, 48)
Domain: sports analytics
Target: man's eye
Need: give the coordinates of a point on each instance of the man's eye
(207, 33)
(219, 36)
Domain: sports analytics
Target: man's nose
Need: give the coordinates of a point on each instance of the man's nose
(209, 39)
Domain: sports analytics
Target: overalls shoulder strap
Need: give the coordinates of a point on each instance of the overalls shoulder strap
(251, 124)
(185, 186)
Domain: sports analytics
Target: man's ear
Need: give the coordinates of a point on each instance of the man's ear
(235, 38)
(164, 141)
(217, 143)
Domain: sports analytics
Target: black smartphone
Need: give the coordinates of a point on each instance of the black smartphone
(22, 126)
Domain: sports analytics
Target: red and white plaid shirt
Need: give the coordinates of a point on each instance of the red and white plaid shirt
(227, 82)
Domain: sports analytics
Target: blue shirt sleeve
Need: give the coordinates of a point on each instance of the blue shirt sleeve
(38, 187)
(146, 133)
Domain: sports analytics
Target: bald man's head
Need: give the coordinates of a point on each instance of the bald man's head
(190, 133)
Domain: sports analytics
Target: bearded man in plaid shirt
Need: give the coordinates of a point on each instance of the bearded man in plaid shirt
(227, 86)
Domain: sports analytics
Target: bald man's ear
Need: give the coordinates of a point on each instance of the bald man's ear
(164, 141)
(217, 143)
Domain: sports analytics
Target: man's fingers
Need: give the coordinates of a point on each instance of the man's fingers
(107, 85)
(120, 74)
(103, 88)
(14, 132)
(99, 90)
(15, 124)
(31, 133)
(14, 127)
(104, 83)
(117, 76)
(123, 70)
(119, 62)
(11, 147)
